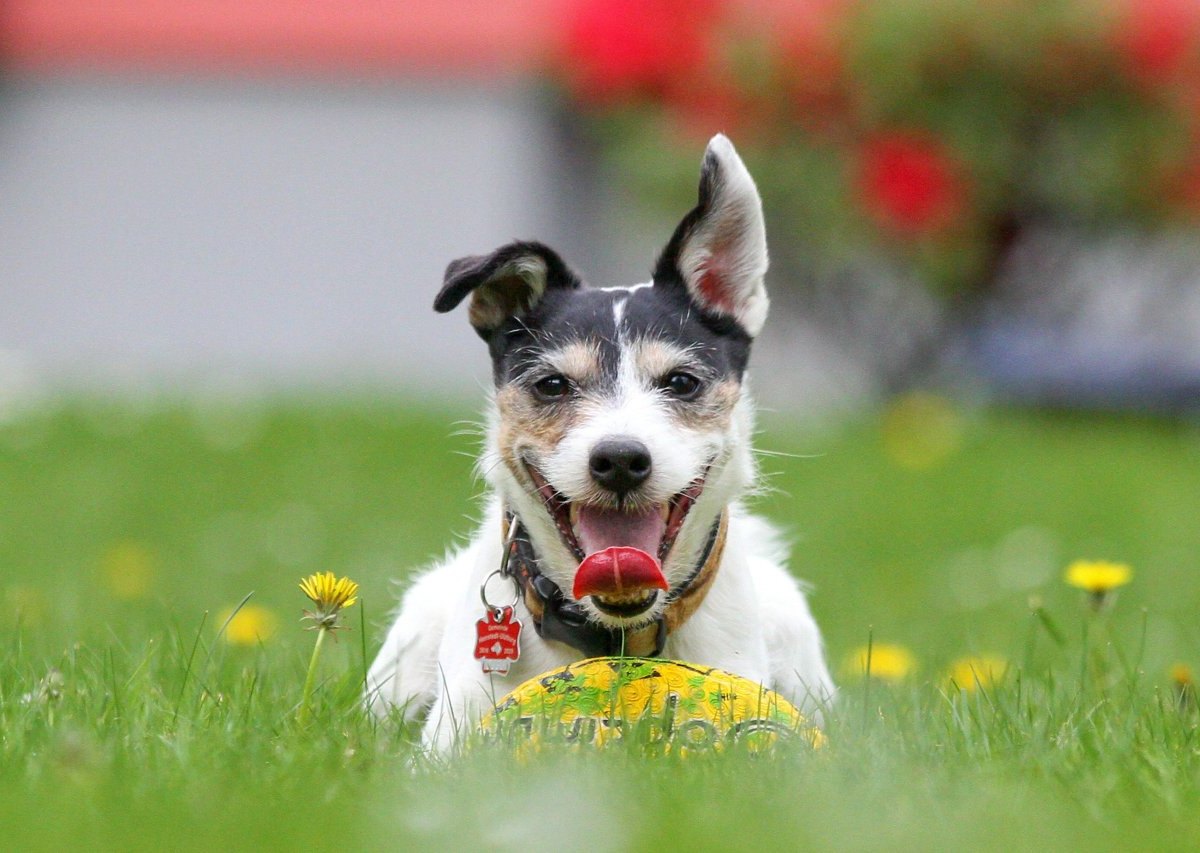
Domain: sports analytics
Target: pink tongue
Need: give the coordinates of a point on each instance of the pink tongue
(620, 548)
(598, 528)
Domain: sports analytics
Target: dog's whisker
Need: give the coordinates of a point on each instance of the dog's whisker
(483, 472)
(758, 451)
(468, 432)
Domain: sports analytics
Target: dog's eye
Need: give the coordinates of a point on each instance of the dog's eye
(552, 387)
(680, 385)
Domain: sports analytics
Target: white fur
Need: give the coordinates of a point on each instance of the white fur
(628, 288)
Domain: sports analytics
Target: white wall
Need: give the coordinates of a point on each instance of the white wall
(248, 232)
(152, 232)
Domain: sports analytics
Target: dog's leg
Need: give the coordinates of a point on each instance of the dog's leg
(405, 675)
(795, 654)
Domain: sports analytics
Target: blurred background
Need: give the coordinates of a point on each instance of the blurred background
(222, 225)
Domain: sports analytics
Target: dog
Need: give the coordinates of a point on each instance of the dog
(617, 448)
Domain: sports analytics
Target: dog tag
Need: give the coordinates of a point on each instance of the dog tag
(498, 640)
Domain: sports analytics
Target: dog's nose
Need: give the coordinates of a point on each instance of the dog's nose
(620, 464)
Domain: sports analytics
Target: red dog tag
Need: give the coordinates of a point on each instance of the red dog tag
(498, 640)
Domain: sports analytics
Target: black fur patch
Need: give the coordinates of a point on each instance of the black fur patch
(662, 312)
(470, 273)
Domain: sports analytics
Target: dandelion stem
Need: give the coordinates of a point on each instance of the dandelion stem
(305, 701)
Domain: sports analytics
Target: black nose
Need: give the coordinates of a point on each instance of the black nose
(620, 464)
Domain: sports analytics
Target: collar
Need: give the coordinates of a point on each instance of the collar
(556, 617)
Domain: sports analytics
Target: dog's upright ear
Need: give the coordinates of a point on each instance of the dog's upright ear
(507, 283)
(719, 250)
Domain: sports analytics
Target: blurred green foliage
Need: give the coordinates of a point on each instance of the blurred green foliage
(926, 133)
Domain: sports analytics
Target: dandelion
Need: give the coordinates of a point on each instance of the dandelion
(920, 431)
(329, 596)
(975, 672)
(1098, 578)
(128, 569)
(1184, 683)
(249, 626)
(884, 661)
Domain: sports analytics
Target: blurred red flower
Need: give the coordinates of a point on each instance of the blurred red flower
(623, 49)
(909, 184)
(713, 105)
(813, 65)
(1159, 40)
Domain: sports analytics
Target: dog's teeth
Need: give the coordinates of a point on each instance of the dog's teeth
(665, 511)
(635, 597)
(574, 513)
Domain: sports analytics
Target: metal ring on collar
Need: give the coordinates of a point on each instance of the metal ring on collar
(514, 530)
(491, 608)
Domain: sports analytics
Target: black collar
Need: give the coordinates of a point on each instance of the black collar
(565, 620)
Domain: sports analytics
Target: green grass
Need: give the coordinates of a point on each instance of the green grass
(126, 528)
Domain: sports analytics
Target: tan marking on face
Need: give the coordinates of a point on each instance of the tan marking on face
(526, 424)
(712, 410)
(655, 359)
(579, 361)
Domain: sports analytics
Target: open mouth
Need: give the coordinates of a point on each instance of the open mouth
(620, 550)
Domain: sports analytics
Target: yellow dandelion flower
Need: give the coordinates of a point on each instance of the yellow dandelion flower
(921, 431)
(885, 661)
(971, 673)
(1099, 577)
(330, 595)
(249, 626)
(128, 570)
(1184, 684)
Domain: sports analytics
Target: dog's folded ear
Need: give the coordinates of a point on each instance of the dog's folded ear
(719, 250)
(504, 284)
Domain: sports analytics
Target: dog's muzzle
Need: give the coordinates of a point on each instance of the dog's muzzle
(621, 550)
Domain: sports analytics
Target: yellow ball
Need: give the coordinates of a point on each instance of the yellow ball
(663, 706)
